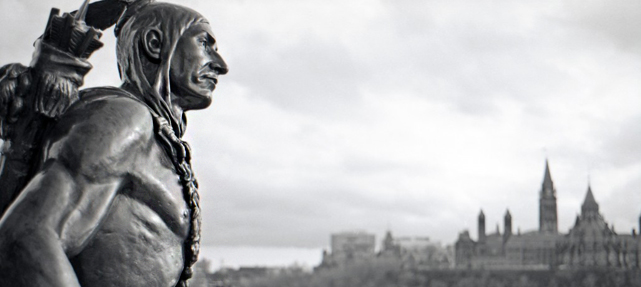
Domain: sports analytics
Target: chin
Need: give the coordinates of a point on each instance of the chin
(199, 102)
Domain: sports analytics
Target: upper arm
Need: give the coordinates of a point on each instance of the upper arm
(87, 160)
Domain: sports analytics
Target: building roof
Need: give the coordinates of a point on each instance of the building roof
(590, 224)
(464, 237)
(589, 203)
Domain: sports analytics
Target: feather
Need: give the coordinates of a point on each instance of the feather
(104, 14)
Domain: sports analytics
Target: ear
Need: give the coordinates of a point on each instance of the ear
(152, 43)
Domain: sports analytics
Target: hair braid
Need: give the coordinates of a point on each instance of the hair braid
(180, 154)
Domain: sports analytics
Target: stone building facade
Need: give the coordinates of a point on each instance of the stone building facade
(416, 252)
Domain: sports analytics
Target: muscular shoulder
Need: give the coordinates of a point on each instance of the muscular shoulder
(101, 134)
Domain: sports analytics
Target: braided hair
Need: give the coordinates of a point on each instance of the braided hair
(180, 154)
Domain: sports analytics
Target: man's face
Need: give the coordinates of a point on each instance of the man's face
(195, 68)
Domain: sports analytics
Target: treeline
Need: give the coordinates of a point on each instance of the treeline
(378, 273)
(390, 274)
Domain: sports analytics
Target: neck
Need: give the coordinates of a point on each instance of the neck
(176, 109)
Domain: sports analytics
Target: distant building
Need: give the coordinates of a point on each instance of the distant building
(349, 247)
(419, 252)
(591, 242)
(548, 219)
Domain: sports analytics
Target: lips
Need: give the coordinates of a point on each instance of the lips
(214, 80)
(210, 79)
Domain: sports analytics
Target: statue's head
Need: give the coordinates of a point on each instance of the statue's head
(195, 67)
(168, 55)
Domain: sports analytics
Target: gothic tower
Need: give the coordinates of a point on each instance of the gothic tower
(507, 226)
(481, 226)
(547, 204)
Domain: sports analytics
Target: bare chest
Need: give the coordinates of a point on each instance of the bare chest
(140, 243)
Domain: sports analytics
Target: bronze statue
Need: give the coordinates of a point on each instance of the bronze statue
(109, 197)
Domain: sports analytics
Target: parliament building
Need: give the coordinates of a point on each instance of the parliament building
(591, 242)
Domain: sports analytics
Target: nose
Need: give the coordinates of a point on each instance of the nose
(218, 64)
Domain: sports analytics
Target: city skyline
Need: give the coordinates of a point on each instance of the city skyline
(406, 116)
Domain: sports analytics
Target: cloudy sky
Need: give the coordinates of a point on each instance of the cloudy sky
(402, 115)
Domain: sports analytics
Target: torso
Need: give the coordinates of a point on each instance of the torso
(140, 242)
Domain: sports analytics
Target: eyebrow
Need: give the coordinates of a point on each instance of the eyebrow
(209, 36)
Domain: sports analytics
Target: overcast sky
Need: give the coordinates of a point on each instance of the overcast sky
(402, 115)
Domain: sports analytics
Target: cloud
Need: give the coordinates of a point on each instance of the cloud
(617, 20)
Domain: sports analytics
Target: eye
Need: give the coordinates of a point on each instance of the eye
(203, 42)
